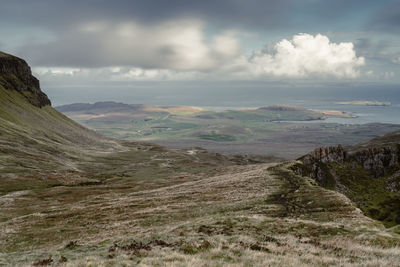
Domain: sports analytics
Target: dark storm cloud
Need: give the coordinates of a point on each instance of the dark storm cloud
(370, 48)
(383, 52)
(242, 13)
(55, 13)
(387, 18)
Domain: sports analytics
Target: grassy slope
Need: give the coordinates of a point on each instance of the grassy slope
(250, 216)
(40, 146)
(43, 132)
(369, 191)
(389, 139)
(37, 142)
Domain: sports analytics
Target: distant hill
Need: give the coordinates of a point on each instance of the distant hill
(106, 106)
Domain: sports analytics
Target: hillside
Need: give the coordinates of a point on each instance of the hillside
(70, 197)
(368, 173)
(41, 144)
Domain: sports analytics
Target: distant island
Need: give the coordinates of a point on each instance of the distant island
(364, 103)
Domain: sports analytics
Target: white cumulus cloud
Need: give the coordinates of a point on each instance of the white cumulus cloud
(305, 56)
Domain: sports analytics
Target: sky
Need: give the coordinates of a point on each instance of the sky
(132, 44)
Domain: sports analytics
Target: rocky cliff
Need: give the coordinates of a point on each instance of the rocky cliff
(379, 161)
(369, 174)
(15, 74)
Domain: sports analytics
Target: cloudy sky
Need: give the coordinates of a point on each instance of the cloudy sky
(87, 42)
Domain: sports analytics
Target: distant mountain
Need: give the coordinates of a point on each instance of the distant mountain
(102, 106)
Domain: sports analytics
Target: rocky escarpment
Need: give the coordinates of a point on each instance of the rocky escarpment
(379, 161)
(15, 74)
(368, 174)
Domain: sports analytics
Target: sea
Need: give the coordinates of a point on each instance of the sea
(221, 96)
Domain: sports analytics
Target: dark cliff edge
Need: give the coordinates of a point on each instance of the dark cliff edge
(368, 174)
(15, 74)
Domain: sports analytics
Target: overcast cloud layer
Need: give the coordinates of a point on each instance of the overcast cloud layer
(178, 45)
(201, 40)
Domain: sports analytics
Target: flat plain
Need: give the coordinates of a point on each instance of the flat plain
(281, 131)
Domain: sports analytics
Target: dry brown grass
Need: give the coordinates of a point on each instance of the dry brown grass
(234, 219)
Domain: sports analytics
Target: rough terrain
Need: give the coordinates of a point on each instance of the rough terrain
(70, 197)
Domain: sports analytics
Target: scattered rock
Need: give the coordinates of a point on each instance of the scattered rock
(71, 244)
(62, 259)
(43, 262)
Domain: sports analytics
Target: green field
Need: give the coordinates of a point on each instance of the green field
(282, 131)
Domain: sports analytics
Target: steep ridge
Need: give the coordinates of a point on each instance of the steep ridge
(368, 173)
(35, 138)
(15, 74)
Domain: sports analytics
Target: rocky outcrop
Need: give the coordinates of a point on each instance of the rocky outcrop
(325, 155)
(377, 160)
(15, 74)
(393, 183)
(368, 174)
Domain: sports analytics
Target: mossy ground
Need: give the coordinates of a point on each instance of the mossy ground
(370, 193)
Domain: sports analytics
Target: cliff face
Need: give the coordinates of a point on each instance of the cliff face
(15, 74)
(326, 154)
(377, 160)
(368, 174)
